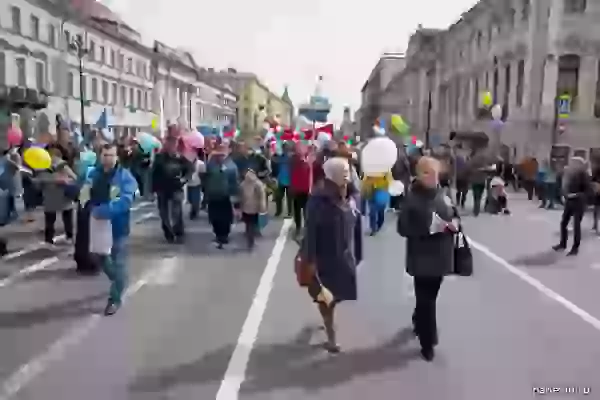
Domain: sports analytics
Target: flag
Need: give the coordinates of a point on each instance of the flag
(102, 122)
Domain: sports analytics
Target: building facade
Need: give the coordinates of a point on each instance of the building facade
(526, 53)
(255, 101)
(37, 52)
(371, 93)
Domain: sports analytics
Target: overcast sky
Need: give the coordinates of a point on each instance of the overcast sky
(291, 41)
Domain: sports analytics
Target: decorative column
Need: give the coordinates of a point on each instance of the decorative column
(588, 71)
(549, 88)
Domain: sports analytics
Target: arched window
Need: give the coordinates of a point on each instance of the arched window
(568, 77)
(574, 6)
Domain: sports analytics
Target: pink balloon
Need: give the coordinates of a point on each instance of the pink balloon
(14, 136)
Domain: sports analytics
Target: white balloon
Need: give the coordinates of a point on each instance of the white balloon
(496, 112)
(378, 156)
(396, 188)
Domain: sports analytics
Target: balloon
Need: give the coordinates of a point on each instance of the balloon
(399, 126)
(396, 188)
(497, 112)
(14, 136)
(88, 158)
(487, 99)
(147, 142)
(193, 140)
(37, 158)
(322, 139)
(378, 156)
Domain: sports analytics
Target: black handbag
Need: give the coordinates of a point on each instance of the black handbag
(463, 257)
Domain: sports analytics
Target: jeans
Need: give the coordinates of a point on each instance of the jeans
(220, 216)
(548, 195)
(115, 268)
(376, 216)
(477, 190)
(280, 193)
(170, 210)
(574, 208)
(251, 223)
(50, 220)
(424, 315)
(194, 197)
(299, 201)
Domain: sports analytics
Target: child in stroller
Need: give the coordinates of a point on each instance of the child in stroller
(497, 197)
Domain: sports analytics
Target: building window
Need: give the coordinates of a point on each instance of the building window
(92, 51)
(123, 96)
(15, 13)
(2, 69)
(79, 38)
(120, 61)
(111, 58)
(94, 89)
(568, 77)
(506, 99)
(51, 36)
(68, 39)
(21, 72)
(476, 97)
(71, 84)
(131, 97)
(520, 82)
(130, 65)
(35, 27)
(575, 6)
(40, 75)
(105, 98)
(83, 88)
(525, 9)
(511, 18)
(597, 102)
(113, 94)
(101, 55)
(139, 99)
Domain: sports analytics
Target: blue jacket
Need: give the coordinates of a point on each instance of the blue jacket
(117, 210)
(214, 172)
(284, 170)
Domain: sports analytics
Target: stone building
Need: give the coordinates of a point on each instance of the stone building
(526, 53)
(371, 93)
(36, 54)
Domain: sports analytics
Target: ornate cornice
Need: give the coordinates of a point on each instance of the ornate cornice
(23, 50)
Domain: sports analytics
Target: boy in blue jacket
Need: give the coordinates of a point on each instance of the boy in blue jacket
(111, 197)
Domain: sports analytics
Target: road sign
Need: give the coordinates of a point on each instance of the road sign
(564, 106)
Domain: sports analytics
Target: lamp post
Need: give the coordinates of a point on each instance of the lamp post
(81, 51)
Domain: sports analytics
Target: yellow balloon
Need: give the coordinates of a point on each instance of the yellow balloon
(487, 99)
(37, 158)
(154, 123)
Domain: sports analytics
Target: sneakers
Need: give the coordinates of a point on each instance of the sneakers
(110, 309)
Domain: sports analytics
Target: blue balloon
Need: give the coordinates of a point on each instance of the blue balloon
(88, 158)
(148, 142)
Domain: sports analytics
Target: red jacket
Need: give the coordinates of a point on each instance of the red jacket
(301, 175)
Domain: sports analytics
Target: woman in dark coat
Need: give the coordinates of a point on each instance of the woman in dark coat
(428, 222)
(329, 243)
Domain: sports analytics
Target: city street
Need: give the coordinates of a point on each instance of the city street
(191, 329)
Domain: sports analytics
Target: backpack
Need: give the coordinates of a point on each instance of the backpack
(216, 183)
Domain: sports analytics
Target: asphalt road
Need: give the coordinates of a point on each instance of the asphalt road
(207, 324)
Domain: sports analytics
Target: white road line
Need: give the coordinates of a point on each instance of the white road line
(47, 262)
(39, 245)
(536, 284)
(236, 369)
(58, 350)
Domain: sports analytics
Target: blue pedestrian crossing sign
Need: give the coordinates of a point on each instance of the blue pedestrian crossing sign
(564, 106)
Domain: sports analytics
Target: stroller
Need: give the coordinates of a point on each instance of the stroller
(497, 198)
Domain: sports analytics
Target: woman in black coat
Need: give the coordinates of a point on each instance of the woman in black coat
(428, 222)
(329, 243)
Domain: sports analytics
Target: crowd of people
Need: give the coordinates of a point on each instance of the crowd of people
(321, 187)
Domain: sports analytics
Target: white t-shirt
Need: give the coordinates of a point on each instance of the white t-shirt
(199, 168)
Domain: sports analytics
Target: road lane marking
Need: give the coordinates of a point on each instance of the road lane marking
(236, 369)
(47, 262)
(59, 238)
(29, 371)
(536, 284)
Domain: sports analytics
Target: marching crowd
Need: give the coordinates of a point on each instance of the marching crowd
(323, 188)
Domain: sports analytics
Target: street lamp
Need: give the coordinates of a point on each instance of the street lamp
(81, 50)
